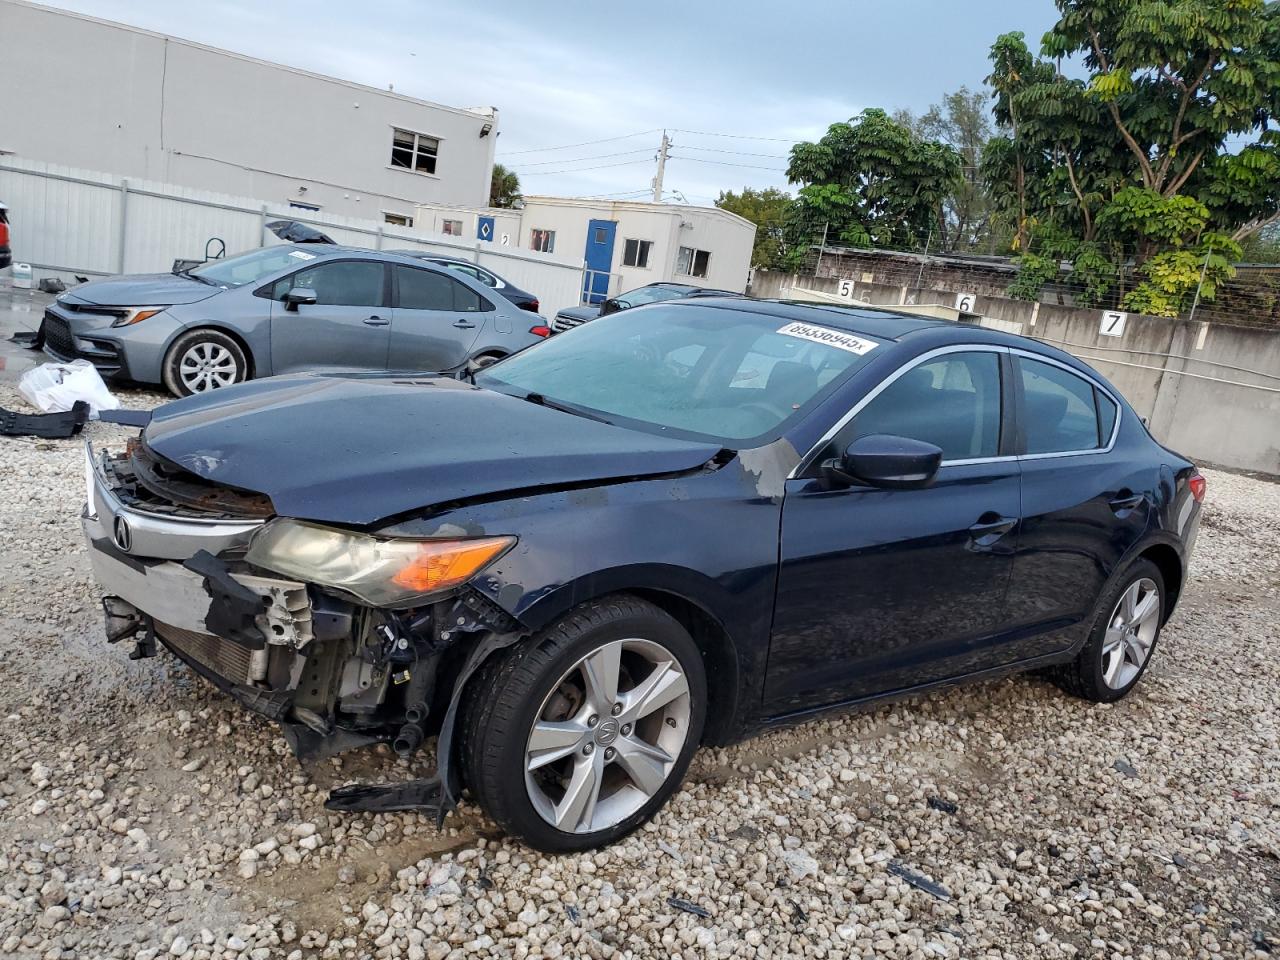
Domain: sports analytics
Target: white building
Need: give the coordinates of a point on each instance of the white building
(104, 96)
(623, 244)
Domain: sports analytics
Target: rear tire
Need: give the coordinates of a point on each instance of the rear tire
(1126, 628)
(200, 361)
(610, 698)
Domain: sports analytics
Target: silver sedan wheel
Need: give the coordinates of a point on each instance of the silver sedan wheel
(608, 735)
(1131, 632)
(207, 366)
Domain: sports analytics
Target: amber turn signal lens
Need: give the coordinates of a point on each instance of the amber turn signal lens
(447, 563)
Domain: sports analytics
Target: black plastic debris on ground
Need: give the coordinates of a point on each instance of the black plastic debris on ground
(1125, 767)
(919, 881)
(688, 907)
(31, 339)
(50, 426)
(943, 806)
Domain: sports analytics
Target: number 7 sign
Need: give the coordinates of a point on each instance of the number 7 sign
(1112, 323)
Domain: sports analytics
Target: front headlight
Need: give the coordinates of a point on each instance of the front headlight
(136, 315)
(381, 572)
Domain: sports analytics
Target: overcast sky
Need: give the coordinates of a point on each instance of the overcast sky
(573, 71)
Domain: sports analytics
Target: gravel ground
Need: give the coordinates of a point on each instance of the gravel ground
(142, 815)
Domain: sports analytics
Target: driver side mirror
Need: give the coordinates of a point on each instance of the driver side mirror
(298, 296)
(611, 305)
(892, 463)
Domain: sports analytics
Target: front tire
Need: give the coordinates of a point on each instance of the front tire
(203, 360)
(1123, 638)
(577, 736)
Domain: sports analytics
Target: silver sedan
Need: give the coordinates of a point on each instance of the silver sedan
(286, 309)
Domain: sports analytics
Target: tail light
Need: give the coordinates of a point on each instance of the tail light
(4, 230)
(540, 330)
(532, 306)
(1198, 485)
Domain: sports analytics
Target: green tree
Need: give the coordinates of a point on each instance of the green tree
(872, 181)
(962, 121)
(1132, 163)
(770, 210)
(504, 187)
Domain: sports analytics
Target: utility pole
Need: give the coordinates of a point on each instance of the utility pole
(662, 166)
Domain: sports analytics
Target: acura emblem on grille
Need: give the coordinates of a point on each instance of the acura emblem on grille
(122, 535)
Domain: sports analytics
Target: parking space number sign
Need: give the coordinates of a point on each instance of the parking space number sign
(845, 290)
(966, 302)
(1113, 323)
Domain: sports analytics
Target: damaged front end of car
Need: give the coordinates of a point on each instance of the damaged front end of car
(344, 638)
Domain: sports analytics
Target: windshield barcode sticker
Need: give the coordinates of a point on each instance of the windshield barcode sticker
(300, 255)
(832, 338)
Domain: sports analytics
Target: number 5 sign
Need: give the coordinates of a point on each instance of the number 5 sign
(1112, 323)
(845, 290)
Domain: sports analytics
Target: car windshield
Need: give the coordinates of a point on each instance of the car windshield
(707, 372)
(654, 294)
(251, 267)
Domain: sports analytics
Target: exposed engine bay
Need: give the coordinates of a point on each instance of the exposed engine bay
(171, 551)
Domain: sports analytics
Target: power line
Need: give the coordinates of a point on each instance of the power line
(598, 156)
(725, 163)
(602, 166)
(586, 143)
(735, 136)
(740, 153)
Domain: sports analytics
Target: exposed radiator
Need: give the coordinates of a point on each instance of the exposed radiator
(226, 659)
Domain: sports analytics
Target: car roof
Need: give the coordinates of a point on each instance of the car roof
(887, 324)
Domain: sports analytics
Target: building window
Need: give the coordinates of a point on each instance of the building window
(414, 151)
(397, 219)
(544, 241)
(692, 263)
(299, 205)
(636, 253)
(451, 228)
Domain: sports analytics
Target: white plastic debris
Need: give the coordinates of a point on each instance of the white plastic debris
(55, 387)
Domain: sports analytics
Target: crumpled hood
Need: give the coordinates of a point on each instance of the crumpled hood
(356, 450)
(142, 290)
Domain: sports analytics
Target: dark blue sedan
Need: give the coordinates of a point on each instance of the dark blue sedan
(636, 538)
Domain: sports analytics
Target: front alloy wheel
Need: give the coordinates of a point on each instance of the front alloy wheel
(577, 736)
(607, 736)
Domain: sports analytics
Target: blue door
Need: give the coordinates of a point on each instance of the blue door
(599, 258)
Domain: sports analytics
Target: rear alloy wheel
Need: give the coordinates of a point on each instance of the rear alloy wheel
(1125, 630)
(203, 360)
(579, 736)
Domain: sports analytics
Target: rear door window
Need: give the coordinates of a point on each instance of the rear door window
(1062, 410)
(429, 290)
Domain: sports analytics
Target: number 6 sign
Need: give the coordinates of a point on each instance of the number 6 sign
(1112, 323)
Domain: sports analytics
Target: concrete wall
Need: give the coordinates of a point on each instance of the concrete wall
(91, 94)
(1210, 391)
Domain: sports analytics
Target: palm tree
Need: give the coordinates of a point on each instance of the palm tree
(504, 189)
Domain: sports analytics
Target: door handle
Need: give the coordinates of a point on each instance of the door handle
(990, 528)
(377, 321)
(464, 324)
(1126, 501)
